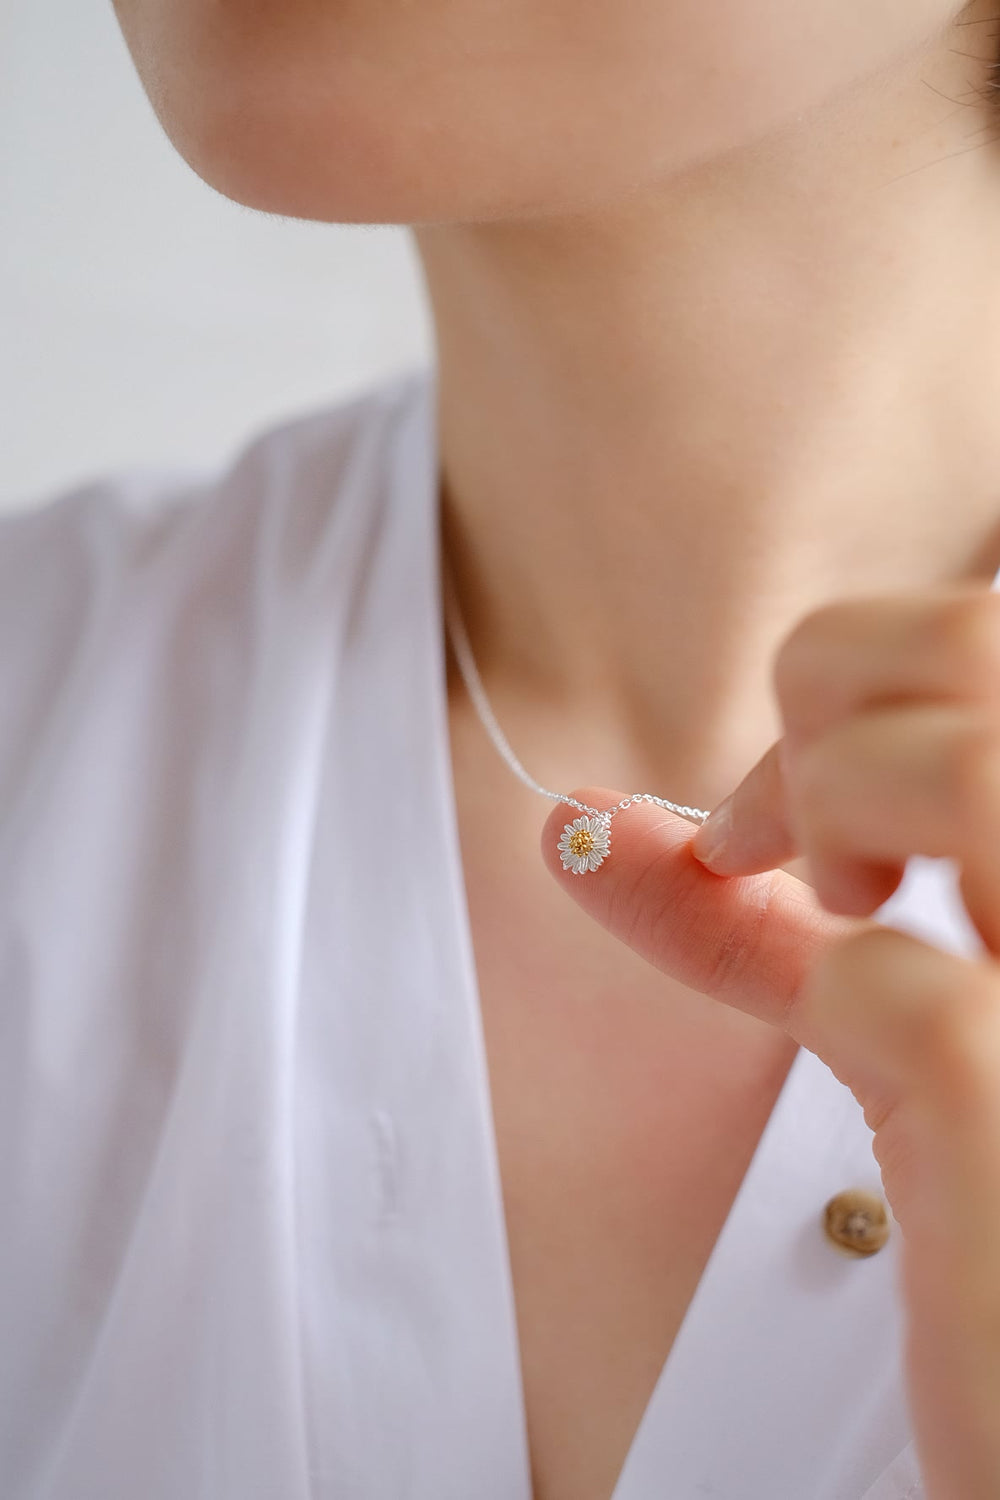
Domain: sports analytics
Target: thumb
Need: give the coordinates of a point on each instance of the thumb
(749, 941)
(749, 831)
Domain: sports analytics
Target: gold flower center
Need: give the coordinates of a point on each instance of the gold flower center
(581, 842)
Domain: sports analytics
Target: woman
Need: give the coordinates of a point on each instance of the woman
(343, 1154)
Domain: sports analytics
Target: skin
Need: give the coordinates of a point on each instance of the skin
(717, 315)
(787, 237)
(890, 708)
(388, 111)
(716, 308)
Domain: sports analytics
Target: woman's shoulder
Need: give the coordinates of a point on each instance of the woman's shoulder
(124, 520)
(99, 558)
(150, 580)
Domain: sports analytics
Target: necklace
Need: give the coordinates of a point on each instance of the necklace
(586, 842)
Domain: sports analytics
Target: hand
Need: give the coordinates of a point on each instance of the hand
(890, 747)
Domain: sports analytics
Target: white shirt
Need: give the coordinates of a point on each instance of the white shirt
(253, 1242)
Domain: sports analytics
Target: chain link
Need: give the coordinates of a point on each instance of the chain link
(473, 683)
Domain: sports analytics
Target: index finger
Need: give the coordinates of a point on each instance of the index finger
(749, 941)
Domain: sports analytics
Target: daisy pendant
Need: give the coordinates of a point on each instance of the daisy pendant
(585, 844)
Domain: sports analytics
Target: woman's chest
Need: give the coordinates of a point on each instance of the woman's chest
(626, 1113)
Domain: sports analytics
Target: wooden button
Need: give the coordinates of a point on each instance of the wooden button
(857, 1221)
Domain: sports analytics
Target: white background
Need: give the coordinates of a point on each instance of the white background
(144, 318)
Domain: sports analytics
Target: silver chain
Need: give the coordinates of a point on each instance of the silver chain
(473, 682)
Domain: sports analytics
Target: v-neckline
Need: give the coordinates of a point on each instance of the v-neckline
(426, 415)
(814, 1143)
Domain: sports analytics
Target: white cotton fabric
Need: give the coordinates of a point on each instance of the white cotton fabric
(253, 1245)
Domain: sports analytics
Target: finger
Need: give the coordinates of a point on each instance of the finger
(839, 660)
(871, 791)
(763, 945)
(749, 942)
(928, 1020)
(926, 1025)
(750, 832)
(862, 653)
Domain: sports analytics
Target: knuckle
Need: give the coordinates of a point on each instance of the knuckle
(849, 972)
(957, 1049)
(735, 954)
(936, 1015)
(972, 770)
(861, 957)
(895, 1146)
(965, 633)
(795, 675)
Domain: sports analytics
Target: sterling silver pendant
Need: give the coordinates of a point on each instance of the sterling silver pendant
(585, 843)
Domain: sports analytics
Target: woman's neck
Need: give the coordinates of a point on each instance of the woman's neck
(670, 428)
